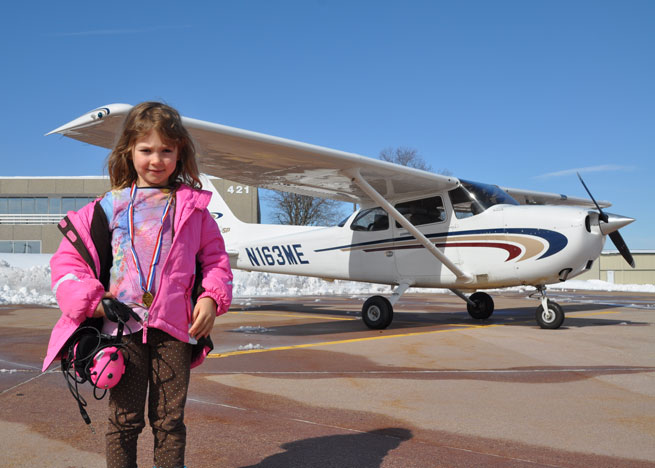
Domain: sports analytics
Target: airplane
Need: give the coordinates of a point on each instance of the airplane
(413, 228)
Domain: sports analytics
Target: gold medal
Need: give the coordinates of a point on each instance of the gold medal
(147, 298)
(146, 284)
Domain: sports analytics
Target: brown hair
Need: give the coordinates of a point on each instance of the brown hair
(167, 122)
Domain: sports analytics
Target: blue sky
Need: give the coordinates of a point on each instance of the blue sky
(516, 93)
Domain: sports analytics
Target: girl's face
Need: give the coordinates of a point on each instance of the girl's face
(154, 160)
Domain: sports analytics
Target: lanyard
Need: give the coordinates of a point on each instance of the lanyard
(147, 297)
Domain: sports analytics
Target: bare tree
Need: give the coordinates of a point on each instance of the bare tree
(302, 210)
(409, 157)
(405, 157)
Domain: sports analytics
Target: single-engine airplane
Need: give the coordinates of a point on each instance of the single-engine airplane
(413, 228)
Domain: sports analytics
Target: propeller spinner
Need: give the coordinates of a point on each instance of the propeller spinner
(611, 225)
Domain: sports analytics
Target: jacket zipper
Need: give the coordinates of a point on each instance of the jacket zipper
(183, 218)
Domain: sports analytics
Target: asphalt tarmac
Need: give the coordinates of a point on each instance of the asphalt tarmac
(303, 383)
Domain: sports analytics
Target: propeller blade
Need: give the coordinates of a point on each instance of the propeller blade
(619, 243)
(603, 216)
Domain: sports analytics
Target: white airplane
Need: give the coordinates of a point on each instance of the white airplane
(414, 228)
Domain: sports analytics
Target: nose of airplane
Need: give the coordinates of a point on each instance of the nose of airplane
(614, 223)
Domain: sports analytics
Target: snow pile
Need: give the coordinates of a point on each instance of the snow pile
(29, 285)
(25, 279)
(258, 284)
(250, 347)
(598, 285)
(589, 285)
(249, 329)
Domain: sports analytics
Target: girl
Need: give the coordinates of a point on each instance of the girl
(143, 244)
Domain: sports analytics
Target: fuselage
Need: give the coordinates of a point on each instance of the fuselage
(498, 245)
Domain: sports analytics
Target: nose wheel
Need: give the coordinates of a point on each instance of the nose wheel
(550, 314)
(550, 317)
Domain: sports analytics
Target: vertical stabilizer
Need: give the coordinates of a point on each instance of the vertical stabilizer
(238, 234)
(217, 206)
(221, 212)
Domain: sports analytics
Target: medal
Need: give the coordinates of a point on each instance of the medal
(147, 296)
(147, 299)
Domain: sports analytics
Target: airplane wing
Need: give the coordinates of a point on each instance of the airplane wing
(528, 197)
(261, 160)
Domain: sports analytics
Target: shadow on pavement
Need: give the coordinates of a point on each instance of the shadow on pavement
(363, 450)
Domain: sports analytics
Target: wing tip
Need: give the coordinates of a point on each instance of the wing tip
(92, 117)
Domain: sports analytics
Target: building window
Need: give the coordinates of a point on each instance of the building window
(27, 206)
(20, 246)
(67, 204)
(13, 205)
(42, 205)
(55, 205)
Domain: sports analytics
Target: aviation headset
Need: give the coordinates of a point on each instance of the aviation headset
(97, 358)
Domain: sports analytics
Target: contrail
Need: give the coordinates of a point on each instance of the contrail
(602, 168)
(117, 32)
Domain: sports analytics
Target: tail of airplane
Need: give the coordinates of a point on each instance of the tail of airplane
(229, 224)
(236, 232)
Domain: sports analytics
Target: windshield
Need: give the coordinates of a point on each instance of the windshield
(343, 222)
(472, 198)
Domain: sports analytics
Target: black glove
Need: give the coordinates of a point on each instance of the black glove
(116, 311)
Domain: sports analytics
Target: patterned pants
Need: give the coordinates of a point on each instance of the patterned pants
(163, 366)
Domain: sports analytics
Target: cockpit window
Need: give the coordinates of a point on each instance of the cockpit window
(472, 198)
(423, 211)
(374, 219)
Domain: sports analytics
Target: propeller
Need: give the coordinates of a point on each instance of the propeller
(615, 237)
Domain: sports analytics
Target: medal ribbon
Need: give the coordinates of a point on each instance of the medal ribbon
(158, 243)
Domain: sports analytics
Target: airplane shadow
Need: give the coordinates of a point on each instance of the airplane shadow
(363, 450)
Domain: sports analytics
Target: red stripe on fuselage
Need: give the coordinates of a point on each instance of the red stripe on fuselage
(513, 250)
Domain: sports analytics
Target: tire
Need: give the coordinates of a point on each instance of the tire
(377, 313)
(552, 318)
(484, 306)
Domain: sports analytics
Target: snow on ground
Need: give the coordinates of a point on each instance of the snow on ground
(25, 279)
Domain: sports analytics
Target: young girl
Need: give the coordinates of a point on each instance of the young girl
(143, 244)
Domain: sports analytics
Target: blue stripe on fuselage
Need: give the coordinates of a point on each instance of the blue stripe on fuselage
(556, 241)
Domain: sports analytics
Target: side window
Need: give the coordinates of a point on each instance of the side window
(424, 211)
(463, 205)
(374, 219)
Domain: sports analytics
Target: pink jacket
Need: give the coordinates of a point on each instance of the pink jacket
(78, 289)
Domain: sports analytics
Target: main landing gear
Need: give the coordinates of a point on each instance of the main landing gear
(377, 312)
(479, 305)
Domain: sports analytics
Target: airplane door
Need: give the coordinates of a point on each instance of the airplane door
(371, 258)
(430, 216)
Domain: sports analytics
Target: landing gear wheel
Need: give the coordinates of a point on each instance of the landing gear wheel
(377, 313)
(551, 318)
(484, 306)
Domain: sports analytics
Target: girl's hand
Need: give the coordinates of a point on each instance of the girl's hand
(100, 311)
(204, 314)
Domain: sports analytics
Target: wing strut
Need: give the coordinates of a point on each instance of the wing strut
(404, 222)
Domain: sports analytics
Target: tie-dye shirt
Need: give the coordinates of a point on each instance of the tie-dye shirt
(124, 283)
